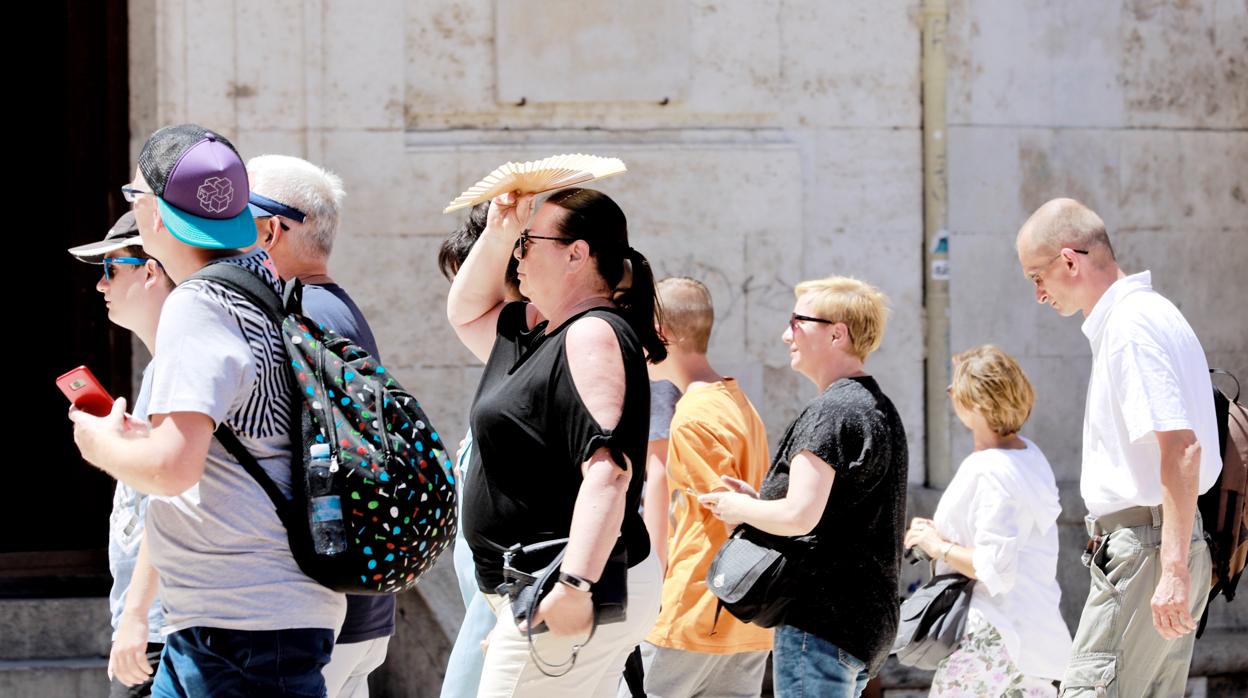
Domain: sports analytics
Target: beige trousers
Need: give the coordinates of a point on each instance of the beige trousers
(1117, 652)
(510, 672)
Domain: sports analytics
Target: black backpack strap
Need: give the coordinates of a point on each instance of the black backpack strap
(259, 292)
(1224, 372)
(245, 282)
(230, 441)
(292, 297)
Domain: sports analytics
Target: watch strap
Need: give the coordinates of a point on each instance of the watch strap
(576, 582)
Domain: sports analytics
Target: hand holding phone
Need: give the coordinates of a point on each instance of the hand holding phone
(85, 391)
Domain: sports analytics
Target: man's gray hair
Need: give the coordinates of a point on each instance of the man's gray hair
(1067, 223)
(315, 191)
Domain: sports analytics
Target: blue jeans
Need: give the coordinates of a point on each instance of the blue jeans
(463, 669)
(213, 662)
(805, 666)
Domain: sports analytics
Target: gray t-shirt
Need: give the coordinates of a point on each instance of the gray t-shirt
(663, 398)
(125, 533)
(221, 550)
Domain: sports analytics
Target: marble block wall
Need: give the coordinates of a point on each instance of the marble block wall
(1140, 110)
(783, 145)
(766, 143)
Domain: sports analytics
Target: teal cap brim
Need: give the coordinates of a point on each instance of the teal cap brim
(215, 233)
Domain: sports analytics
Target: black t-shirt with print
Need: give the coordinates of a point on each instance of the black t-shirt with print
(848, 592)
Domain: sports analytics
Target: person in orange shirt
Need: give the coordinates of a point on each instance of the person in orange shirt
(715, 432)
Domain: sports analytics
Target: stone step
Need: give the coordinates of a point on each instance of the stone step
(1220, 653)
(38, 629)
(41, 678)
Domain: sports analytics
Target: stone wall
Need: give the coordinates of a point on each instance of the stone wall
(766, 143)
(1140, 110)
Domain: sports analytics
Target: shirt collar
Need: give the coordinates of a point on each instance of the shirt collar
(1127, 285)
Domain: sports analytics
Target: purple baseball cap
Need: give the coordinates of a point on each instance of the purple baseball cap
(201, 186)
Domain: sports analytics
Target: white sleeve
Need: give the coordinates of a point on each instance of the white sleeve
(202, 361)
(1150, 396)
(995, 518)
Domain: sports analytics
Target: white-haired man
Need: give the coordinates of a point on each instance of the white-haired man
(296, 206)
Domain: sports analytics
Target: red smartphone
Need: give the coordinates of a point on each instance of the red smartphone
(85, 391)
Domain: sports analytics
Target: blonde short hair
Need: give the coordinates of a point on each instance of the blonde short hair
(861, 306)
(990, 382)
(687, 312)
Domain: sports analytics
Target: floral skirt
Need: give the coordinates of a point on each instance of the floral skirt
(982, 667)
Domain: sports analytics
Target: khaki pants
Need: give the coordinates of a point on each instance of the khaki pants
(673, 673)
(509, 671)
(1117, 652)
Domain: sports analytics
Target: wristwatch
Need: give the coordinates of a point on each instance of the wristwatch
(578, 583)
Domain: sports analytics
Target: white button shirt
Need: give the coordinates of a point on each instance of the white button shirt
(1003, 503)
(1149, 374)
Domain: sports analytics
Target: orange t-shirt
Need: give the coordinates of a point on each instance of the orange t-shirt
(715, 431)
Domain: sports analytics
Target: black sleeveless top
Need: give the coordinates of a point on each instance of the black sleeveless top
(531, 433)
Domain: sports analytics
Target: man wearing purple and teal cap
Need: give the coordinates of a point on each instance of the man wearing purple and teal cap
(241, 617)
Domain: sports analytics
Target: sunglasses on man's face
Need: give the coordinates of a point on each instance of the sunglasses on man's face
(795, 318)
(127, 261)
(522, 243)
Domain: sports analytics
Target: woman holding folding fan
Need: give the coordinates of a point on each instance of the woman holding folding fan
(561, 424)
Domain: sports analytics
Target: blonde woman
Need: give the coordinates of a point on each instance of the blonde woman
(839, 474)
(996, 523)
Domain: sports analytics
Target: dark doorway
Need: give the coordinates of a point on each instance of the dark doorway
(73, 146)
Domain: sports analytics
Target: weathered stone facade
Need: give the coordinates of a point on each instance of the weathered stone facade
(773, 142)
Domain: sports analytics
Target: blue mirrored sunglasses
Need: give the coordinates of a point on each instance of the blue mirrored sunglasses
(108, 263)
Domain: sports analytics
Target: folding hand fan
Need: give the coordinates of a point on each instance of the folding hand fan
(557, 172)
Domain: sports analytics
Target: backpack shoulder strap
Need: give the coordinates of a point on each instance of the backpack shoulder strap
(257, 291)
(253, 287)
(230, 441)
(1224, 372)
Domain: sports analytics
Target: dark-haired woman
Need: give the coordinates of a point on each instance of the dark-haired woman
(560, 421)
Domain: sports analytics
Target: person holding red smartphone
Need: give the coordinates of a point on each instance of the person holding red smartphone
(134, 286)
(229, 583)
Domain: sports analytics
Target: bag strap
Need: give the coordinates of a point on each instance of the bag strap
(230, 441)
(238, 279)
(541, 664)
(256, 290)
(719, 608)
(1224, 372)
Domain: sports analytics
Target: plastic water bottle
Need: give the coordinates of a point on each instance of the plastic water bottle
(329, 535)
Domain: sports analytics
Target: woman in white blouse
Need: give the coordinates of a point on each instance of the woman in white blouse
(997, 524)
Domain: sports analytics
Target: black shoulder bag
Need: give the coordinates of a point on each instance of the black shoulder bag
(933, 619)
(754, 575)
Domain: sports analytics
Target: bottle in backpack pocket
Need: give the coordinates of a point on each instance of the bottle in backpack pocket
(329, 535)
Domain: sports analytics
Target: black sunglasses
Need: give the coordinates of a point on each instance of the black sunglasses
(522, 243)
(795, 318)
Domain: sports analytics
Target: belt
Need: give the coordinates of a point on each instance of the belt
(1127, 518)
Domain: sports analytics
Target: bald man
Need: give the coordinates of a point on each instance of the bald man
(1149, 411)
